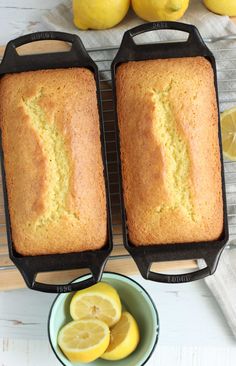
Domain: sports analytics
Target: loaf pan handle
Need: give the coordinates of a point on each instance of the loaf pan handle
(144, 267)
(13, 59)
(194, 35)
(54, 288)
(130, 51)
(178, 278)
(43, 36)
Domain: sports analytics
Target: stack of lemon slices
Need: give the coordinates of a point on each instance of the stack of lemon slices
(99, 327)
(228, 131)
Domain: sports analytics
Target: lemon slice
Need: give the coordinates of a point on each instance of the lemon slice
(100, 301)
(124, 338)
(228, 130)
(84, 340)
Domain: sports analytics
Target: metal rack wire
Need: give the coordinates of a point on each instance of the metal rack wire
(226, 65)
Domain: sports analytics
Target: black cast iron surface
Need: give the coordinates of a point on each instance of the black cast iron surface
(145, 255)
(30, 266)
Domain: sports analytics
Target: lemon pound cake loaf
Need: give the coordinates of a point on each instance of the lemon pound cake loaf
(171, 170)
(52, 154)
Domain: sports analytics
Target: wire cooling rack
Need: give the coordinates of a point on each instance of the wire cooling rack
(225, 54)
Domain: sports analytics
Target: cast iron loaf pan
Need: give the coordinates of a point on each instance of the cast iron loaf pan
(145, 255)
(30, 266)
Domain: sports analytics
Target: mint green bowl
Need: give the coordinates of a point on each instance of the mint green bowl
(134, 299)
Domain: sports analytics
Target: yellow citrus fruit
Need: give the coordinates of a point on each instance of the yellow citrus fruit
(228, 130)
(224, 7)
(124, 338)
(100, 301)
(99, 14)
(160, 9)
(84, 340)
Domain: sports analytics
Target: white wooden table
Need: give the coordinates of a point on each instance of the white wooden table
(193, 331)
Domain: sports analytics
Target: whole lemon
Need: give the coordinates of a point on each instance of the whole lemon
(224, 7)
(153, 10)
(99, 14)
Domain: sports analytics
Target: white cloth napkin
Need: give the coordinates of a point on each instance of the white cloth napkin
(61, 19)
(223, 286)
(223, 282)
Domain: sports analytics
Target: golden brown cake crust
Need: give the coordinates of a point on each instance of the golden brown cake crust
(52, 155)
(168, 122)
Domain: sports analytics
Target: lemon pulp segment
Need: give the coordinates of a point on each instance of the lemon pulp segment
(100, 301)
(228, 130)
(84, 340)
(124, 338)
